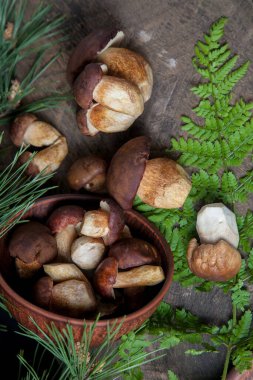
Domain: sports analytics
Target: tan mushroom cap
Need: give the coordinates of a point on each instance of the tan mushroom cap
(88, 172)
(126, 170)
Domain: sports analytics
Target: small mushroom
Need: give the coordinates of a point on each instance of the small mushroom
(215, 222)
(107, 277)
(32, 245)
(132, 252)
(213, 262)
(63, 223)
(159, 182)
(89, 173)
(63, 271)
(118, 102)
(107, 222)
(87, 252)
(28, 130)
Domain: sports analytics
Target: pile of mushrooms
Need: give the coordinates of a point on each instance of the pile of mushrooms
(110, 83)
(85, 262)
(28, 130)
(216, 258)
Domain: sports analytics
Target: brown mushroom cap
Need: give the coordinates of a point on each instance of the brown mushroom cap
(116, 220)
(132, 252)
(19, 127)
(126, 170)
(85, 84)
(42, 292)
(89, 47)
(31, 242)
(105, 277)
(88, 172)
(64, 216)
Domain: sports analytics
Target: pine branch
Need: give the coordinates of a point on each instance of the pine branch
(21, 39)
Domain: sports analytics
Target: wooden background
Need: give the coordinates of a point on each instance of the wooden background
(165, 33)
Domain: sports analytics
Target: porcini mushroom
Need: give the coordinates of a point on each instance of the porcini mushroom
(42, 292)
(107, 222)
(159, 182)
(132, 252)
(28, 130)
(87, 252)
(213, 262)
(107, 277)
(118, 102)
(215, 222)
(32, 245)
(89, 173)
(63, 223)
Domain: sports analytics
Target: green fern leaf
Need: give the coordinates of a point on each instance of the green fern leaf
(172, 376)
(241, 330)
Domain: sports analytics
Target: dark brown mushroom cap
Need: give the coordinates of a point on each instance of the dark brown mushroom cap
(31, 242)
(126, 170)
(32, 169)
(88, 49)
(81, 119)
(132, 252)
(87, 172)
(19, 127)
(64, 216)
(116, 220)
(85, 84)
(105, 277)
(42, 292)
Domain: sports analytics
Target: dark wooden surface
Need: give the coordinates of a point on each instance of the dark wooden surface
(165, 33)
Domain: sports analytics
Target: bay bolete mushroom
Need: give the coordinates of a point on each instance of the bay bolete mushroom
(132, 252)
(64, 223)
(213, 262)
(108, 222)
(32, 245)
(107, 277)
(28, 130)
(88, 173)
(159, 182)
(110, 84)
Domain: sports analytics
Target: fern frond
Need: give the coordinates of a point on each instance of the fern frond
(242, 328)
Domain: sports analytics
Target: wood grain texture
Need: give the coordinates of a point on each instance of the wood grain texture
(164, 31)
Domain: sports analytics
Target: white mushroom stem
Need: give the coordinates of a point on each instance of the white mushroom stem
(95, 223)
(216, 222)
(63, 272)
(87, 252)
(146, 275)
(64, 240)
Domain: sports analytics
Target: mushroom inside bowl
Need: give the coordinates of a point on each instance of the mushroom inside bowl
(18, 298)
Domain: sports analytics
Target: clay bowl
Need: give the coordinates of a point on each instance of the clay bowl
(21, 308)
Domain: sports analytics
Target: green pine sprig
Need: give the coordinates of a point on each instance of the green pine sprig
(28, 39)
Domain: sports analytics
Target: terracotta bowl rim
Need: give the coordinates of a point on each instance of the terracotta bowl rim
(101, 323)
